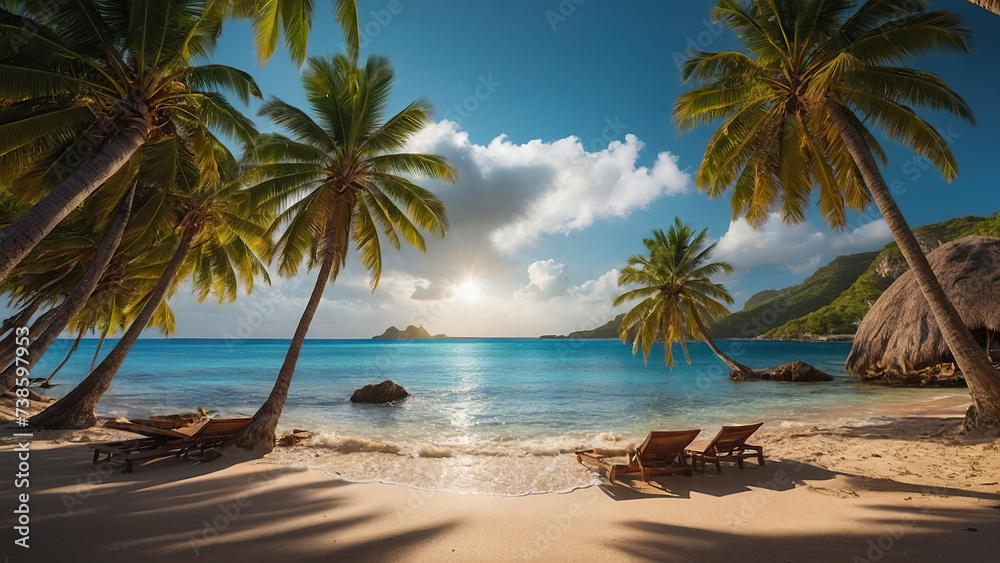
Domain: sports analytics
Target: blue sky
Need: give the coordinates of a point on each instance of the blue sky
(557, 115)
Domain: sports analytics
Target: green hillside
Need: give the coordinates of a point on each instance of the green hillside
(844, 312)
(772, 308)
(832, 300)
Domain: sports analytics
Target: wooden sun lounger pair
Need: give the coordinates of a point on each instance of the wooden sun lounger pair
(160, 442)
(665, 453)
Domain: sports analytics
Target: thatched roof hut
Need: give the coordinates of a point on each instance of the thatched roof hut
(899, 333)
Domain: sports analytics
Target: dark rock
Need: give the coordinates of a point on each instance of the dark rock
(796, 372)
(295, 438)
(384, 392)
(211, 454)
(941, 375)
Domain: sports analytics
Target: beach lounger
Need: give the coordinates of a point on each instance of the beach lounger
(164, 443)
(728, 445)
(662, 453)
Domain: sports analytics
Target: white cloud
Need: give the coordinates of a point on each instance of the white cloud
(546, 279)
(513, 194)
(801, 248)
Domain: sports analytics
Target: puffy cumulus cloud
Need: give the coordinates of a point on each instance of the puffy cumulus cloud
(512, 194)
(602, 290)
(546, 279)
(801, 248)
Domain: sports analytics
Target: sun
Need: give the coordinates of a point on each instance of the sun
(468, 290)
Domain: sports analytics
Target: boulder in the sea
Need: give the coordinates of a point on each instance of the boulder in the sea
(385, 392)
(295, 438)
(796, 372)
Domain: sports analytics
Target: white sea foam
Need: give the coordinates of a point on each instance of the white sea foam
(508, 467)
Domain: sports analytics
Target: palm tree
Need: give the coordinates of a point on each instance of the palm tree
(69, 262)
(794, 113)
(292, 21)
(678, 296)
(94, 80)
(341, 175)
(220, 229)
(78, 296)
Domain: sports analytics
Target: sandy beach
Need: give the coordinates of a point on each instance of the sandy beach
(903, 487)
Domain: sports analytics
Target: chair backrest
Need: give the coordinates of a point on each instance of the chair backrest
(663, 446)
(732, 437)
(217, 427)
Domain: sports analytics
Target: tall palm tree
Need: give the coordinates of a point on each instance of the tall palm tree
(678, 296)
(96, 79)
(795, 111)
(220, 229)
(341, 175)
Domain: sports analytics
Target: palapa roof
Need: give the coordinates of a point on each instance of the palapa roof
(900, 334)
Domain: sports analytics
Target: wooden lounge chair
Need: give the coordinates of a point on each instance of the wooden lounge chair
(728, 445)
(662, 453)
(164, 443)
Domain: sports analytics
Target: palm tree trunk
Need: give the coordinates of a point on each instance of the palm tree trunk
(100, 344)
(260, 433)
(78, 297)
(76, 410)
(72, 349)
(739, 371)
(17, 240)
(40, 324)
(983, 379)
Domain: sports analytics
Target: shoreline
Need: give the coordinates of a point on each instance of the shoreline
(896, 487)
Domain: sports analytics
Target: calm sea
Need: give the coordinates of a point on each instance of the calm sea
(494, 416)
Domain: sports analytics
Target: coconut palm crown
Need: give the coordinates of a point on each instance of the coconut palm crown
(679, 299)
(341, 181)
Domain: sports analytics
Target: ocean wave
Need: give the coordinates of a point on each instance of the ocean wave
(489, 465)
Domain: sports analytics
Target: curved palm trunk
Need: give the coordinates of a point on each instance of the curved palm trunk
(77, 298)
(259, 434)
(40, 324)
(739, 371)
(17, 240)
(982, 377)
(100, 344)
(72, 349)
(76, 410)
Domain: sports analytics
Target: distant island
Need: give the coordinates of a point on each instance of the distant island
(607, 330)
(411, 333)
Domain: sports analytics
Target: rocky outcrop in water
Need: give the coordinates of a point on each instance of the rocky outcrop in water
(385, 392)
(795, 372)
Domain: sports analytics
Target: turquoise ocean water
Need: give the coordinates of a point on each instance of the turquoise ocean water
(495, 416)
